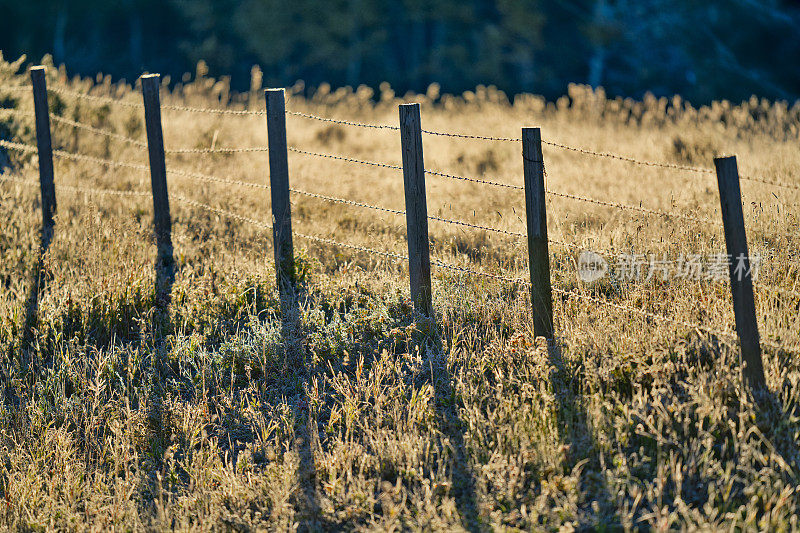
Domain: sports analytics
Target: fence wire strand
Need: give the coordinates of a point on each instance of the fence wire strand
(346, 202)
(216, 150)
(645, 210)
(477, 137)
(343, 122)
(212, 110)
(17, 88)
(399, 212)
(621, 307)
(214, 179)
(98, 131)
(72, 188)
(222, 212)
(93, 98)
(343, 158)
(75, 157)
(584, 151)
(472, 180)
(266, 226)
(18, 112)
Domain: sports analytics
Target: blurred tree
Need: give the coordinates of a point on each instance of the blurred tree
(702, 50)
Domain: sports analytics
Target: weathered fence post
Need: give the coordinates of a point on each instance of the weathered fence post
(744, 308)
(538, 251)
(158, 169)
(279, 191)
(416, 208)
(45, 146)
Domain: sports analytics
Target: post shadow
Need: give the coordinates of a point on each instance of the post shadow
(164, 271)
(572, 429)
(464, 489)
(772, 412)
(306, 498)
(38, 284)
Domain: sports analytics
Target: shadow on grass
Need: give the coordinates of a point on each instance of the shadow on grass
(574, 430)
(38, 285)
(776, 415)
(159, 369)
(306, 498)
(447, 403)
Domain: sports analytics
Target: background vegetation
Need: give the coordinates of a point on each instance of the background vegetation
(706, 50)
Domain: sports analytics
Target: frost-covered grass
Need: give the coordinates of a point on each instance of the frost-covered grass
(133, 402)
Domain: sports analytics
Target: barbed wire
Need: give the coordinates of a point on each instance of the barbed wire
(654, 316)
(573, 149)
(75, 157)
(473, 180)
(627, 159)
(216, 150)
(214, 179)
(477, 137)
(112, 192)
(477, 226)
(72, 188)
(100, 161)
(391, 255)
(574, 197)
(430, 217)
(212, 110)
(605, 303)
(266, 226)
(466, 270)
(18, 180)
(18, 112)
(94, 98)
(98, 131)
(343, 122)
(770, 182)
(642, 312)
(584, 151)
(17, 88)
(773, 288)
(219, 211)
(343, 158)
(644, 210)
(399, 212)
(347, 202)
(323, 240)
(610, 155)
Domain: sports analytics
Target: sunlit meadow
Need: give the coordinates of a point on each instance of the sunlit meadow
(133, 402)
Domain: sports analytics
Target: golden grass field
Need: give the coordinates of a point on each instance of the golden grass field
(133, 403)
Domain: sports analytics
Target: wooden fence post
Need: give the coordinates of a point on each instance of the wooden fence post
(416, 209)
(739, 268)
(45, 146)
(279, 191)
(538, 251)
(158, 169)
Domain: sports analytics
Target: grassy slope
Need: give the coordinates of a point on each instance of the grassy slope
(133, 402)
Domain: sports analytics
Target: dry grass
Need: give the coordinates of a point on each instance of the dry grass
(136, 404)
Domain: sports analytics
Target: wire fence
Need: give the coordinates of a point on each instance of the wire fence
(245, 112)
(584, 295)
(729, 334)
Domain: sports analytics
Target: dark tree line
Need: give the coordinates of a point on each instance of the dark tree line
(702, 50)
